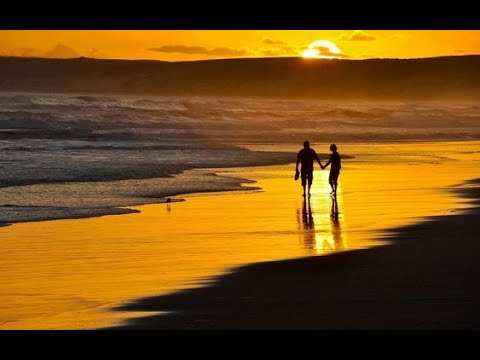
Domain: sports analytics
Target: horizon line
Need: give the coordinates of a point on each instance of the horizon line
(238, 58)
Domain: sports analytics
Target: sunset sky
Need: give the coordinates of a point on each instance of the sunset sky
(178, 45)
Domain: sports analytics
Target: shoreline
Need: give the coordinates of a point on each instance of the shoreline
(126, 201)
(232, 184)
(423, 277)
(125, 210)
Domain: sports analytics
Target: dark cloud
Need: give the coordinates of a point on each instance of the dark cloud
(284, 50)
(61, 51)
(277, 48)
(200, 50)
(325, 51)
(269, 41)
(358, 35)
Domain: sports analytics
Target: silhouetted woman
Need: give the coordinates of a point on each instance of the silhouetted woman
(334, 169)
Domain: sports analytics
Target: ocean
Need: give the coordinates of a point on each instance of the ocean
(77, 155)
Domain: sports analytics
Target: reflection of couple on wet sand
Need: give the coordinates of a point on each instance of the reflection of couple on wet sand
(306, 156)
(332, 241)
(336, 231)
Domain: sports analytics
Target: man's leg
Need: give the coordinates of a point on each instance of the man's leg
(304, 176)
(310, 181)
(304, 182)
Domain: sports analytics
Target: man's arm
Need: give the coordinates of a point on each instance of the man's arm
(318, 160)
(298, 162)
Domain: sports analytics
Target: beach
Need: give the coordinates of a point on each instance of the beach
(425, 279)
(91, 273)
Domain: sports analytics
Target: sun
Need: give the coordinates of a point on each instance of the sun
(322, 49)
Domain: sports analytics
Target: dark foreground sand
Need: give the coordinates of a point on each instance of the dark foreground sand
(429, 278)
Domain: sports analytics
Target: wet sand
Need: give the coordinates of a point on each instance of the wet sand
(70, 274)
(426, 278)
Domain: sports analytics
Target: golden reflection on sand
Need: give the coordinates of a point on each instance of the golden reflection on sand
(323, 237)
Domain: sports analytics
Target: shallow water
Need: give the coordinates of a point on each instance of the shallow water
(68, 274)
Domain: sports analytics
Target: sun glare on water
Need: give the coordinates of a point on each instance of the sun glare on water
(322, 49)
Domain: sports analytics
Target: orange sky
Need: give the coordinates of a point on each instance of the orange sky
(176, 45)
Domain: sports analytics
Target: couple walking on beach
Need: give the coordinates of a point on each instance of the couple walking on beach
(306, 156)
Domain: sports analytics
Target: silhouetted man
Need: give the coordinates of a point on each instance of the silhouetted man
(306, 157)
(334, 169)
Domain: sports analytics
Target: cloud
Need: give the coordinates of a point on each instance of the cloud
(283, 50)
(200, 50)
(358, 35)
(323, 49)
(459, 51)
(61, 51)
(269, 41)
(277, 48)
(326, 52)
